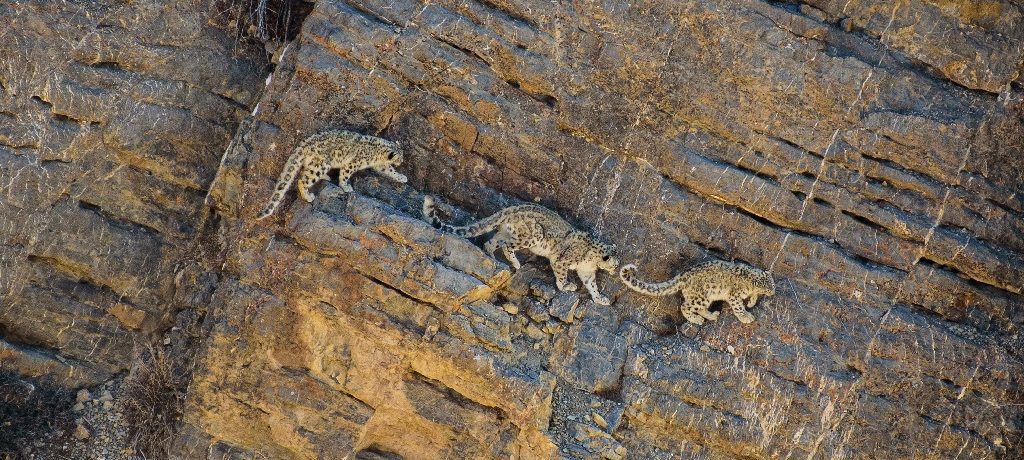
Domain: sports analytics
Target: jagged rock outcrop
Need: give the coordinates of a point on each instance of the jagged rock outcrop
(866, 152)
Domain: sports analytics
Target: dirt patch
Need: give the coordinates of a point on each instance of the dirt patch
(28, 411)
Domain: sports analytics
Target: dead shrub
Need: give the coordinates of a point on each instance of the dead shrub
(264, 20)
(153, 401)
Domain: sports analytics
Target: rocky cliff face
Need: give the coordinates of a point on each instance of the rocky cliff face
(113, 117)
(867, 153)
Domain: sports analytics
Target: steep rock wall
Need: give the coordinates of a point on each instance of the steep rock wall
(113, 117)
(866, 152)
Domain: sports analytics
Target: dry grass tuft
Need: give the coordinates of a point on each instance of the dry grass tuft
(154, 399)
(264, 20)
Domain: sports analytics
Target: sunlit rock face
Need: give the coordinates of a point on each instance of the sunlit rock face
(867, 153)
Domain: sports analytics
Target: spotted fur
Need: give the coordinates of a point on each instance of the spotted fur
(542, 232)
(346, 151)
(736, 283)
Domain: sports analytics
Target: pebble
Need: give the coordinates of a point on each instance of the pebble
(78, 407)
(106, 396)
(731, 350)
(81, 433)
(83, 395)
(433, 325)
(511, 308)
(705, 348)
(599, 420)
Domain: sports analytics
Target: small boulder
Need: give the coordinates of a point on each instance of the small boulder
(538, 312)
(563, 306)
(81, 433)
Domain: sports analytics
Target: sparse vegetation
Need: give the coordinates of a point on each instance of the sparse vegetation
(264, 20)
(154, 397)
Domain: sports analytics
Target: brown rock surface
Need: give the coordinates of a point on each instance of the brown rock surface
(868, 153)
(113, 116)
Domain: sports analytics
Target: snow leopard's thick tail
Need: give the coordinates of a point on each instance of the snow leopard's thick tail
(475, 229)
(291, 169)
(628, 275)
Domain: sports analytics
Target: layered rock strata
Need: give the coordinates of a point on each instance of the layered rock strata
(867, 153)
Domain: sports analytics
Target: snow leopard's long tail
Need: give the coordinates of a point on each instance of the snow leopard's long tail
(629, 277)
(475, 229)
(291, 169)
